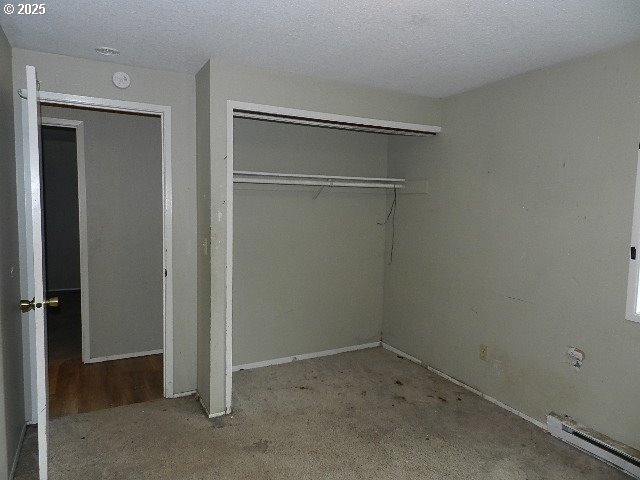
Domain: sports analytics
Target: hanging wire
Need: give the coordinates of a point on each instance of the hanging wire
(393, 222)
(318, 192)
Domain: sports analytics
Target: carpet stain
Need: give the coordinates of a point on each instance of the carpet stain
(260, 446)
(348, 429)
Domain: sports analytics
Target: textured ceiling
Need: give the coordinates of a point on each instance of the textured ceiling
(428, 47)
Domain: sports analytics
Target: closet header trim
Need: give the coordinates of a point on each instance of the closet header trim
(328, 120)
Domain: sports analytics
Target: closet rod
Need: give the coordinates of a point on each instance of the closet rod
(321, 177)
(242, 176)
(317, 182)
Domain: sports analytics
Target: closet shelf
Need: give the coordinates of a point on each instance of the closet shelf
(240, 176)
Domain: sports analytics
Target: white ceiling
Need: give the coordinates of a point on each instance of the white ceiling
(427, 47)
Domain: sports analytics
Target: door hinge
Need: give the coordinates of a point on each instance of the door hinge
(633, 253)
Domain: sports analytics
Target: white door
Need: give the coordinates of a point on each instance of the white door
(36, 274)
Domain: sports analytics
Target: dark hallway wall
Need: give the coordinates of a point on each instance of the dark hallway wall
(60, 181)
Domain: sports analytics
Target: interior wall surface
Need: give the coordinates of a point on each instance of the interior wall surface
(12, 408)
(308, 262)
(522, 244)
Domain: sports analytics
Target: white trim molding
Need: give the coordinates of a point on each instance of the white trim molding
(386, 346)
(524, 416)
(304, 356)
(228, 318)
(256, 111)
(217, 414)
(164, 112)
(83, 234)
(122, 356)
(184, 394)
(465, 386)
(633, 282)
(206, 410)
(16, 457)
(330, 120)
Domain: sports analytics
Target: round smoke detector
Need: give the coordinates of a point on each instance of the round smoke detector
(121, 80)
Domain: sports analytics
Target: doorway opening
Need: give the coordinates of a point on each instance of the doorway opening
(102, 178)
(32, 243)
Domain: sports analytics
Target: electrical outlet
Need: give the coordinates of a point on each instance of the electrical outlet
(484, 353)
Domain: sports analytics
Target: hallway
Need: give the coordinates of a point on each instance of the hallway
(75, 387)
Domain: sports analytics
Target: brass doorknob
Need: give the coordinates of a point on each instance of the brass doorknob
(52, 302)
(26, 305)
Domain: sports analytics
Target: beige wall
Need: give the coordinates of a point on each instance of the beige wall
(522, 243)
(232, 82)
(203, 150)
(12, 410)
(63, 74)
(308, 271)
(123, 182)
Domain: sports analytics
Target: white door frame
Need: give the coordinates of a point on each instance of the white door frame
(297, 117)
(164, 112)
(78, 126)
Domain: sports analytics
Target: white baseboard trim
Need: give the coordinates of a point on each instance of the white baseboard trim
(14, 465)
(204, 407)
(524, 416)
(184, 394)
(121, 356)
(304, 356)
(537, 423)
(206, 410)
(386, 346)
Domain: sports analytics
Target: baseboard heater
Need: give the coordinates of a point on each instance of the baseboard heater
(615, 453)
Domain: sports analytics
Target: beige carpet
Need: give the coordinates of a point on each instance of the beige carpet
(360, 415)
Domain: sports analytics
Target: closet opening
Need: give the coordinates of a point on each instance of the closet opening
(310, 211)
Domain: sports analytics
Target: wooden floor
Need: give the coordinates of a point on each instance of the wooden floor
(75, 387)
